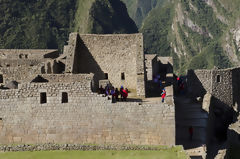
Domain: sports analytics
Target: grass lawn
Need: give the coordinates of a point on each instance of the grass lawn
(174, 153)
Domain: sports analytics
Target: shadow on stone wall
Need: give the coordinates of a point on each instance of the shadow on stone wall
(233, 145)
(220, 117)
(84, 62)
(194, 85)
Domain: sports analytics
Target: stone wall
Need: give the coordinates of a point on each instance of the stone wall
(151, 65)
(20, 73)
(27, 53)
(120, 56)
(85, 118)
(199, 82)
(222, 86)
(218, 82)
(236, 87)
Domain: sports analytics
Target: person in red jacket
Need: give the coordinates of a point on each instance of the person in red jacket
(163, 94)
(125, 94)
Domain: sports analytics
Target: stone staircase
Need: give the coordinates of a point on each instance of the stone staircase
(189, 113)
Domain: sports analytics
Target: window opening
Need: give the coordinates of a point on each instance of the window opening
(106, 75)
(122, 76)
(43, 97)
(1, 78)
(218, 78)
(64, 97)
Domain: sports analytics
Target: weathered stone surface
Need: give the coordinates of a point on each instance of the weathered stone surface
(55, 102)
(117, 55)
(206, 102)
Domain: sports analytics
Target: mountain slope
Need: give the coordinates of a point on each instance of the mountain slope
(47, 23)
(197, 34)
(139, 9)
(35, 24)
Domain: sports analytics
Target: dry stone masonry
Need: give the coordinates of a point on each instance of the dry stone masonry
(49, 98)
(220, 89)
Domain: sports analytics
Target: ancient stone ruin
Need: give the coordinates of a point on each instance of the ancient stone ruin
(47, 97)
(220, 90)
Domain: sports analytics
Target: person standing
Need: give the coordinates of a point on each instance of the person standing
(113, 95)
(116, 94)
(163, 94)
(121, 93)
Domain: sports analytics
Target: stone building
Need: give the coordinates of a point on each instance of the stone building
(50, 97)
(118, 58)
(220, 90)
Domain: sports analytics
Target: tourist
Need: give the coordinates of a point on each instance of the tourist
(121, 93)
(163, 94)
(116, 94)
(125, 94)
(101, 90)
(190, 130)
(107, 91)
(112, 92)
(155, 80)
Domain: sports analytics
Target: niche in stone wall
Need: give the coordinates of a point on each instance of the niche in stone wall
(49, 68)
(43, 70)
(43, 97)
(64, 97)
(122, 76)
(1, 78)
(218, 78)
(105, 75)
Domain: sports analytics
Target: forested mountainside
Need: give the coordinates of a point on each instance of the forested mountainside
(139, 9)
(46, 23)
(197, 33)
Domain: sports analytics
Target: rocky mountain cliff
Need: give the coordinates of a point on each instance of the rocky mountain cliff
(47, 23)
(197, 33)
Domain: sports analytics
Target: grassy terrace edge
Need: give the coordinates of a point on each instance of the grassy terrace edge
(65, 151)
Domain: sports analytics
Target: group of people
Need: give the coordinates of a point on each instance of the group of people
(114, 92)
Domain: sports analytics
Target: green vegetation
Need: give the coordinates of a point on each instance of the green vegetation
(211, 56)
(196, 48)
(35, 24)
(139, 9)
(204, 17)
(156, 31)
(46, 24)
(109, 17)
(174, 153)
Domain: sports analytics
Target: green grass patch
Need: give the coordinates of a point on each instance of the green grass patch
(162, 154)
